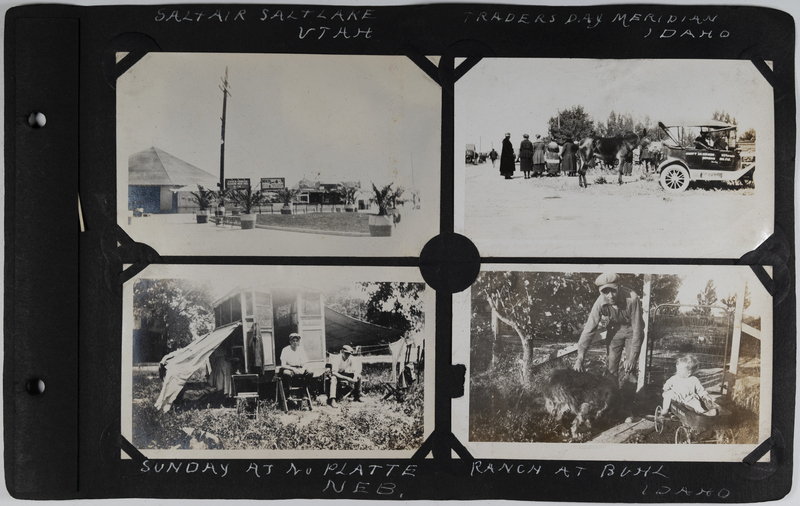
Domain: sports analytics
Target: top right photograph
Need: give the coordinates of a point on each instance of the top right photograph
(614, 158)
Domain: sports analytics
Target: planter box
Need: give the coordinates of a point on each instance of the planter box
(350, 208)
(248, 221)
(287, 210)
(380, 226)
(202, 217)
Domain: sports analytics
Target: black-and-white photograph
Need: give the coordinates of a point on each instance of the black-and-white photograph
(614, 158)
(281, 361)
(271, 154)
(649, 360)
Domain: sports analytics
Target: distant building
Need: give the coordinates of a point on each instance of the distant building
(159, 182)
(314, 192)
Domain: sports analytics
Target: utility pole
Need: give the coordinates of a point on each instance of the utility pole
(225, 93)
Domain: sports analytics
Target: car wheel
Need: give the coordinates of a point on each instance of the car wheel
(674, 178)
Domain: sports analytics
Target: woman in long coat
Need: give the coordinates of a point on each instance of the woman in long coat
(538, 156)
(526, 156)
(507, 158)
(569, 160)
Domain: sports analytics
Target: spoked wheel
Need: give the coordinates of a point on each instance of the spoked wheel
(658, 421)
(674, 178)
(683, 436)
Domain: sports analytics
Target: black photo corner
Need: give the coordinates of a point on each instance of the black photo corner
(245, 260)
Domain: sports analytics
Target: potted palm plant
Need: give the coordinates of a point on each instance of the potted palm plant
(287, 195)
(221, 196)
(348, 195)
(380, 225)
(203, 198)
(247, 199)
(393, 211)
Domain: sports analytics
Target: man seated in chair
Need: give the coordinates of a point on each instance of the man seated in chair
(293, 362)
(345, 367)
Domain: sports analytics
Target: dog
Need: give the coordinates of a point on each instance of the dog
(584, 396)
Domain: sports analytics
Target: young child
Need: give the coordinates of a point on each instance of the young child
(684, 387)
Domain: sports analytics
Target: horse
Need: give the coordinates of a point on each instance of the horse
(610, 150)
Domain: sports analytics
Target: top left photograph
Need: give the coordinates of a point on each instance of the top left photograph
(278, 155)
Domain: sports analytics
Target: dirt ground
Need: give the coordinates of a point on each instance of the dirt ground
(552, 216)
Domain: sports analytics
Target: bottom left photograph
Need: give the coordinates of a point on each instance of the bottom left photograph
(277, 361)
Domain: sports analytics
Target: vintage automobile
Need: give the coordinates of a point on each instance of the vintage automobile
(471, 155)
(713, 156)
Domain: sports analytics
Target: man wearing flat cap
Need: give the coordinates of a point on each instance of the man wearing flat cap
(618, 309)
(294, 358)
(345, 367)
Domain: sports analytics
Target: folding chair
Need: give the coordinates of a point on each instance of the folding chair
(292, 391)
(245, 388)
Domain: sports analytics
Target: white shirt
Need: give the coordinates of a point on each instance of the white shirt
(294, 358)
(350, 366)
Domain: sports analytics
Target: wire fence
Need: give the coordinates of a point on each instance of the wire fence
(677, 330)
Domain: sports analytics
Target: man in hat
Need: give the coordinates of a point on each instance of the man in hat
(507, 158)
(618, 310)
(294, 359)
(345, 367)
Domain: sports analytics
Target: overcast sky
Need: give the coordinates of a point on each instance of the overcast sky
(326, 118)
(520, 95)
(727, 282)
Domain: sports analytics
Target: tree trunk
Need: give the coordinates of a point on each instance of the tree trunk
(527, 358)
(527, 349)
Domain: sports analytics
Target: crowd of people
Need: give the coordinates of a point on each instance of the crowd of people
(542, 157)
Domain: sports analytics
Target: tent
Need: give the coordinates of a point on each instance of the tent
(183, 363)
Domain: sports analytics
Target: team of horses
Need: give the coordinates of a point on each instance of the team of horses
(608, 150)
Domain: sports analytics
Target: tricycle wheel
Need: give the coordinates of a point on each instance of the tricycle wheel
(674, 178)
(658, 420)
(683, 436)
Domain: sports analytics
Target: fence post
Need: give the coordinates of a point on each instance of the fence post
(737, 329)
(646, 317)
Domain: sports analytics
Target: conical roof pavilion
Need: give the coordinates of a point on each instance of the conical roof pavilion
(156, 167)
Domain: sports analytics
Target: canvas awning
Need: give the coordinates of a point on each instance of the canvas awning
(182, 363)
(341, 329)
(694, 122)
(156, 167)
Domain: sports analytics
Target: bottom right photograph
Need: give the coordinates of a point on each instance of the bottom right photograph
(639, 357)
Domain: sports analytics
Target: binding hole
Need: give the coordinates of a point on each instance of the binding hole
(35, 386)
(37, 119)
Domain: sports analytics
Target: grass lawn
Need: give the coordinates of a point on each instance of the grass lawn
(324, 222)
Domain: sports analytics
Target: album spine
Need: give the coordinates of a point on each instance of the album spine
(40, 375)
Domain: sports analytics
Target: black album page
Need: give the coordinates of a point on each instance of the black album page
(401, 252)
